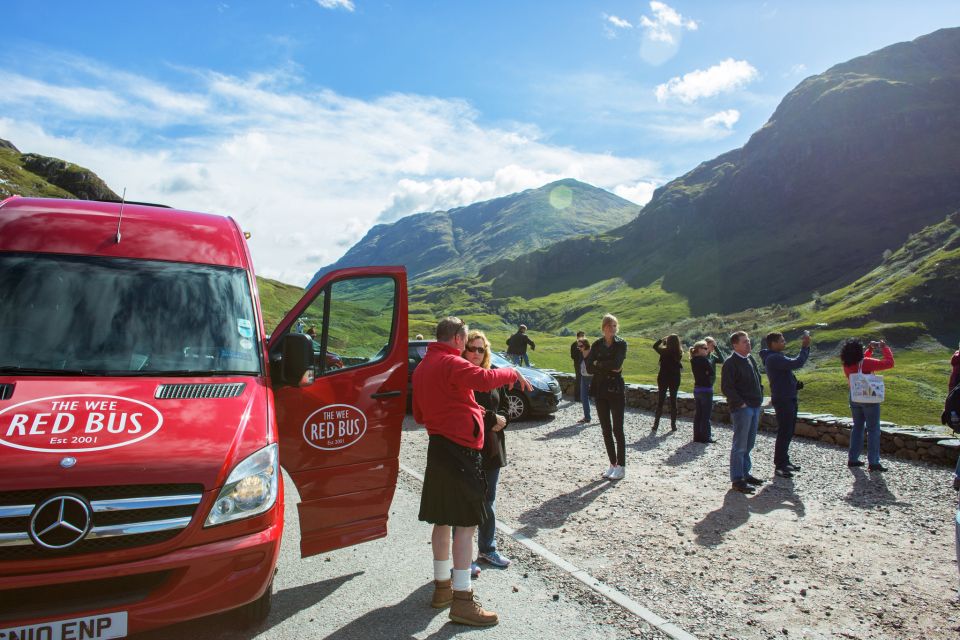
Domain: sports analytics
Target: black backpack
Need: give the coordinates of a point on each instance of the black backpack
(951, 410)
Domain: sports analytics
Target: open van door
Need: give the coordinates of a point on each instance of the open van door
(339, 435)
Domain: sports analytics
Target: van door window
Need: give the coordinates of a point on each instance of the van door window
(359, 323)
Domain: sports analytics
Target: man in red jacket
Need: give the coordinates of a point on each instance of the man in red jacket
(454, 487)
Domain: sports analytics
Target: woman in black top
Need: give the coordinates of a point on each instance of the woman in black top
(494, 455)
(605, 363)
(704, 376)
(668, 379)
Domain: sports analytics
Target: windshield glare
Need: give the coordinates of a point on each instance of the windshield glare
(123, 316)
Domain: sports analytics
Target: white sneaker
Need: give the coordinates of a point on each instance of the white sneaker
(618, 473)
(608, 472)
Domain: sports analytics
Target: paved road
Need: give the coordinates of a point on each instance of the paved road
(381, 589)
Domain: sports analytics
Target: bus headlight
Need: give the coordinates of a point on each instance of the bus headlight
(250, 490)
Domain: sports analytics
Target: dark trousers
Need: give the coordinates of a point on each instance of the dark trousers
(610, 412)
(576, 387)
(786, 423)
(701, 419)
(672, 385)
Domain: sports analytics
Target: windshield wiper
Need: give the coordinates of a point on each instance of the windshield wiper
(39, 371)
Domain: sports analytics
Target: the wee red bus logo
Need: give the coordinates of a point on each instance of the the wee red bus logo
(76, 423)
(335, 426)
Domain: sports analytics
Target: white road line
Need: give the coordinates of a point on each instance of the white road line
(608, 592)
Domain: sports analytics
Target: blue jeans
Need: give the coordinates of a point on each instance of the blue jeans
(516, 358)
(486, 542)
(745, 421)
(865, 415)
(701, 419)
(585, 395)
(526, 360)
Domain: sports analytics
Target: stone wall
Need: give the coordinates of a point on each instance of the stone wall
(930, 443)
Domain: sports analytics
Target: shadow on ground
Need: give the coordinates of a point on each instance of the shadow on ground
(555, 511)
(737, 508)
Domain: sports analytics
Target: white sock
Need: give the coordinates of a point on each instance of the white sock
(441, 569)
(461, 580)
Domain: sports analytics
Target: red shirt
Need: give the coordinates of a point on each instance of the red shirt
(871, 364)
(443, 386)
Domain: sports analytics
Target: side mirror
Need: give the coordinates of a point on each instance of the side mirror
(296, 360)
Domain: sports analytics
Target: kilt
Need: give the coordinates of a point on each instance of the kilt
(454, 485)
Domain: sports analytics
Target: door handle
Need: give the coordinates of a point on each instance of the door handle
(386, 394)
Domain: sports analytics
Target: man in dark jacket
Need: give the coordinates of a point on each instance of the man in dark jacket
(783, 394)
(577, 356)
(740, 383)
(517, 347)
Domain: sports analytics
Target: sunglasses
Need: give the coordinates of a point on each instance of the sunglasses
(479, 350)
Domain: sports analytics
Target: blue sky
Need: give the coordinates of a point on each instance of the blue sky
(311, 120)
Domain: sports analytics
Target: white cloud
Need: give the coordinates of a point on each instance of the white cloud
(618, 22)
(724, 77)
(306, 170)
(796, 70)
(714, 127)
(336, 4)
(722, 120)
(666, 23)
(640, 193)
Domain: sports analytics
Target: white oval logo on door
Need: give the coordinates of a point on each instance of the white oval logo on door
(335, 426)
(80, 422)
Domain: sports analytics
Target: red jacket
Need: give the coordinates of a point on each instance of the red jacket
(443, 386)
(871, 364)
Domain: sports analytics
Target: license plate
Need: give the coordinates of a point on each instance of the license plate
(108, 625)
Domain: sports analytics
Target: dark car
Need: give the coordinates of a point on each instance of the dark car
(543, 399)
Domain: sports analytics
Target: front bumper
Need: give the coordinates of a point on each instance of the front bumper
(187, 583)
(544, 401)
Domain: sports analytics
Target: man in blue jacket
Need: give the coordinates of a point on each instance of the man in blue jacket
(783, 394)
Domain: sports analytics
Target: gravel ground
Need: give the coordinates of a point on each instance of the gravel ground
(833, 552)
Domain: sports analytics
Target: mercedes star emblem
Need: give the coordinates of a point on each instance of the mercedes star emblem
(60, 522)
(68, 462)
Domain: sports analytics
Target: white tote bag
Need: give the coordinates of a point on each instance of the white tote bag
(866, 388)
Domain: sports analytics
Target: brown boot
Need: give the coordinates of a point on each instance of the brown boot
(442, 594)
(467, 610)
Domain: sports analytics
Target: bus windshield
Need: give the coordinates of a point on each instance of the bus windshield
(69, 315)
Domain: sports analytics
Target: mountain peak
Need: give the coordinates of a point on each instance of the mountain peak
(458, 242)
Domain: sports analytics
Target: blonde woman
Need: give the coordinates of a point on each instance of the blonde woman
(495, 411)
(605, 362)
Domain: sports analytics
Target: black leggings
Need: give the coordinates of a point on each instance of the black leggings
(610, 410)
(672, 385)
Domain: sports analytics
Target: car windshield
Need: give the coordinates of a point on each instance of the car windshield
(118, 316)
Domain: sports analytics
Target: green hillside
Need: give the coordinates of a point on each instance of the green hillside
(851, 163)
(30, 174)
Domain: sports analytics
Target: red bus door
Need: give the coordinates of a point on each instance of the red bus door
(340, 436)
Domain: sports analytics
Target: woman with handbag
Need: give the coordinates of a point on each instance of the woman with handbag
(605, 363)
(858, 362)
(668, 378)
(494, 454)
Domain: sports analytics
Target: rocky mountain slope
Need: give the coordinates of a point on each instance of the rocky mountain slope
(434, 246)
(851, 163)
(30, 174)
